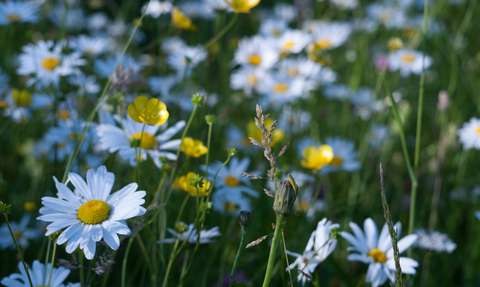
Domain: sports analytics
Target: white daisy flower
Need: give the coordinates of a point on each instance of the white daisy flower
(47, 63)
(344, 156)
(330, 35)
(282, 88)
(408, 61)
(378, 133)
(22, 233)
(470, 134)
(63, 139)
(18, 12)
(231, 202)
(90, 46)
(293, 42)
(319, 247)
(377, 251)
(362, 102)
(115, 139)
(313, 72)
(86, 84)
(36, 274)
(172, 45)
(434, 240)
(345, 4)
(4, 79)
(197, 9)
(294, 121)
(184, 60)
(97, 21)
(91, 212)
(218, 5)
(285, 12)
(163, 85)
(247, 79)
(256, 52)
(230, 179)
(206, 236)
(238, 139)
(72, 18)
(19, 104)
(387, 14)
(156, 8)
(273, 27)
(338, 92)
(106, 67)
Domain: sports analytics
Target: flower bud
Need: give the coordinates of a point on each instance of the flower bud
(285, 197)
(395, 44)
(5, 208)
(210, 119)
(197, 100)
(244, 218)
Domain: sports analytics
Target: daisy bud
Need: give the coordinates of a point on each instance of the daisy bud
(285, 197)
(181, 227)
(4, 208)
(198, 100)
(244, 218)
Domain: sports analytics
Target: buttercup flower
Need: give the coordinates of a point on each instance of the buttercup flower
(91, 212)
(192, 147)
(183, 182)
(316, 157)
(153, 112)
(242, 6)
(181, 21)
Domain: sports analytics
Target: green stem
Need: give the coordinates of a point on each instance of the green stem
(273, 250)
(82, 272)
(124, 266)
(208, 149)
(91, 116)
(170, 262)
(286, 259)
(46, 261)
(172, 174)
(18, 250)
(222, 32)
(237, 257)
(53, 259)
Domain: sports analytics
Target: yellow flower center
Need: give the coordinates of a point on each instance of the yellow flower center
(61, 145)
(88, 52)
(17, 233)
(302, 205)
(316, 158)
(292, 72)
(252, 80)
(231, 180)
(384, 16)
(230, 206)
(148, 141)
(151, 112)
(288, 45)
(378, 256)
(256, 133)
(29, 206)
(21, 98)
(280, 87)
(336, 161)
(255, 59)
(13, 18)
(408, 58)
(276, 32)
(50, 63)
(63, 114)
(4, 105)
(478, 130)
(324, 43)
(94, 212)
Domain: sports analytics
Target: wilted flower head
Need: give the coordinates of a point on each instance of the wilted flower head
(153, 112)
